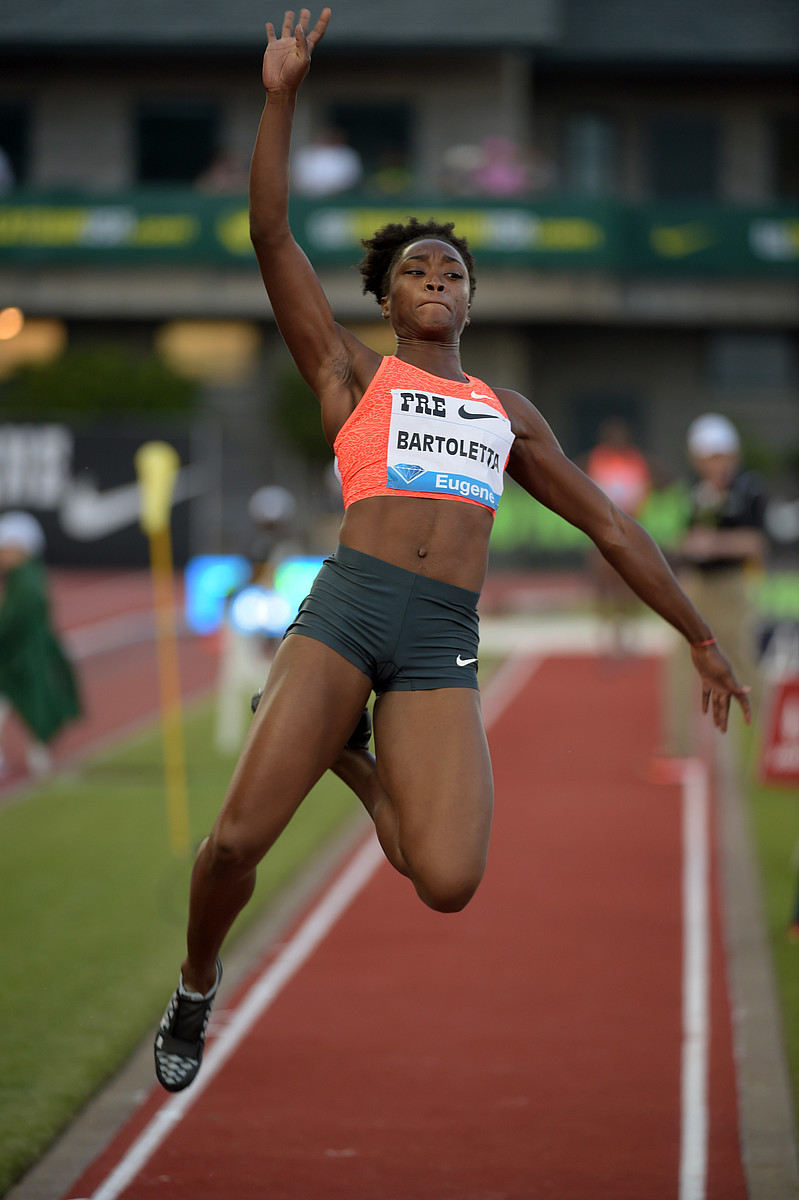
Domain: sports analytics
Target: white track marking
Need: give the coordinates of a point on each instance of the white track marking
(263, 992)
(503, 687)
(500, 692)
(696, 982)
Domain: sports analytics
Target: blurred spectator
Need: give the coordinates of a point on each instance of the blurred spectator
(496, 167)
(723, 546)
(227, 172)
(502, 171)
(255, 619)
(326, 166)
(460, 163)
(36, 679)
(624, 475)
(619, 468)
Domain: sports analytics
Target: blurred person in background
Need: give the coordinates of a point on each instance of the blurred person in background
(326, 166)
(36, 678)
(497, 166)
(624, 475)
(503, 170)
(722, 551)
(251, 628)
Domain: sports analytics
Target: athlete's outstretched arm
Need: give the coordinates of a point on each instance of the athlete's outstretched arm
(301, 309)
(540, 466)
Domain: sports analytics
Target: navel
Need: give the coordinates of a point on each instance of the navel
(422, 552)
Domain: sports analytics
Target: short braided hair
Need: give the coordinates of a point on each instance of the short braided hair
(385, 246)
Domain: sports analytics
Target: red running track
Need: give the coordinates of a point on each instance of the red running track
(528, 1048)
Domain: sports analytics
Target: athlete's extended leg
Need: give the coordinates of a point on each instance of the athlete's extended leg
(430, 791)
(310, 705)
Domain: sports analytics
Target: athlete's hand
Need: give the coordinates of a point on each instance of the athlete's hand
(719, 685)
(288, 57)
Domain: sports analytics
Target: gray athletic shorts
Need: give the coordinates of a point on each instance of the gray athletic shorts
(407, 632)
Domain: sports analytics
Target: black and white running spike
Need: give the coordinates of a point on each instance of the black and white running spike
(180, 1040)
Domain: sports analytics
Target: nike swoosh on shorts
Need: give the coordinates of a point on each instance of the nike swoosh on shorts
(465, 662)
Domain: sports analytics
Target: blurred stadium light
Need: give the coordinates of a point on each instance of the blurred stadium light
(214, 580)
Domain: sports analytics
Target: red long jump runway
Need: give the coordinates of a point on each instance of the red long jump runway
(567, 1036)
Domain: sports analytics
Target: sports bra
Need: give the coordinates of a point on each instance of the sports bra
(416, 434)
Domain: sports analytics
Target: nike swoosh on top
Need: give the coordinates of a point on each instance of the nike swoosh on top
(483, 416)
(481, 396)
(464, 662)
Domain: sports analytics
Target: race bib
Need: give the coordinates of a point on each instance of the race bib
(447, 446)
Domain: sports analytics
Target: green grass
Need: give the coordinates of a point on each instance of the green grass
(774, 814)
(92, 913)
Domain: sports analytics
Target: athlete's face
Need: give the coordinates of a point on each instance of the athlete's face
(428, 292)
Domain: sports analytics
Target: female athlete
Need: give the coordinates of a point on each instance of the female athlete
(422, 447)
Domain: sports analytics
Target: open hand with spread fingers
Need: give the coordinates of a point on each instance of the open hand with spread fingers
(288, 57)
(719, 684)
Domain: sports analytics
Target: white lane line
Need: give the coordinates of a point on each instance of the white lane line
(110, 633)
(500, 692)
(506, 684)
(695, 983)
(257, 1000)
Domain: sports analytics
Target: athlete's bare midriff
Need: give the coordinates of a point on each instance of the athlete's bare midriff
(445, 539)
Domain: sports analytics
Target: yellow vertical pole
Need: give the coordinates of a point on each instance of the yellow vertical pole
(157, 464)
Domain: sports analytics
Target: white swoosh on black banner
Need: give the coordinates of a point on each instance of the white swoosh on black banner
(87, 515)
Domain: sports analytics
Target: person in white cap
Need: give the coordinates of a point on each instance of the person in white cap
(36, 678)
(723, 546)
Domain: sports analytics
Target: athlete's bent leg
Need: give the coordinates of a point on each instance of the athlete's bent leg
(434, 769)
(358, 769)
(311, 702)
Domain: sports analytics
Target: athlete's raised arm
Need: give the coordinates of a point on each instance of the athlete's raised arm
(321, 349)
(540, 466)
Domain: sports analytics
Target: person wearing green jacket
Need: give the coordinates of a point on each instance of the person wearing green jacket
(36, 678)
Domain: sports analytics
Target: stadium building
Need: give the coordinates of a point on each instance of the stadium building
(627, 175)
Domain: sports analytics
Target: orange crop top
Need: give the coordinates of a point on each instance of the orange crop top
(415, 434)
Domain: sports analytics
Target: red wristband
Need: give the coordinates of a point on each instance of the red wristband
(699, 645)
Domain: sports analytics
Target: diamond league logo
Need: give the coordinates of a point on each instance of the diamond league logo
(409, 471)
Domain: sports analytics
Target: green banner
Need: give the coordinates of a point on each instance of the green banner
(707, 240)
(555, 234)
(135, 228)
(182, 227)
